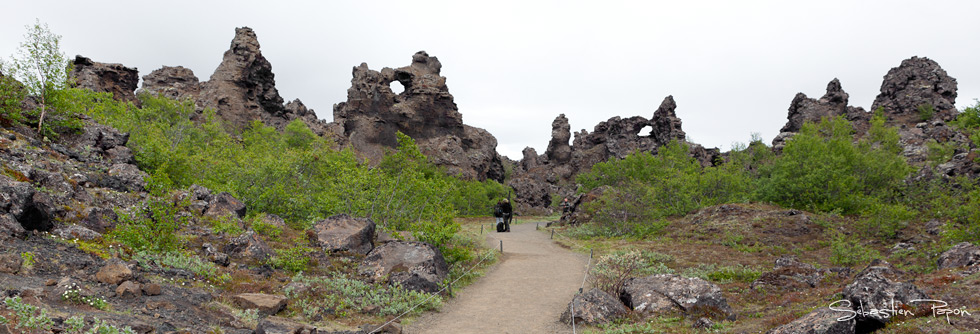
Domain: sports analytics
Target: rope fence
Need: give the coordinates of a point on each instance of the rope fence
(588, 267)
(448, 286)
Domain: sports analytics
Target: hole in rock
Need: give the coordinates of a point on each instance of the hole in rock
(34, 220)
(646, 131)
(397, 87)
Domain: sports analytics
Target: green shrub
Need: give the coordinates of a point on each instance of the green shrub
(724, 273)
(184, 261)
(151, 226)
(646, 188)
(294, 173)
(846, 251)
(344, 295)
(295, 259)
(612, 270)
(73, 294)
(823, 169)
(265, 229)
(11, 95)
(926, 111)
(27, 316)
(968, 120)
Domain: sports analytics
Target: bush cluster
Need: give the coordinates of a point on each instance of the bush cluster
(823, 168)
(292, 173)
(343, 295)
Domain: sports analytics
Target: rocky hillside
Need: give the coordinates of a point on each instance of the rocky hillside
(918, 97)
(243, 89)
(91, 241)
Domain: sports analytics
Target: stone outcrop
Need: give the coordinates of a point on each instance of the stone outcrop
(593, 307)
(173, 82)
(833, 103)
(117, 79)
(278, 325)
(372, 115)
(917, 83)
(666, 125)
(665, 293)
(821, 321)
(344, 233)
(575, 215)
(266, 304)
(241, 90)
(249, 246)
(559, 151)
(790, 273)
(964, 254)
(917, 97)
(538, 178)
(224, 204)
(415, 265)
(129, 289)
(114, 272)
(882, 287)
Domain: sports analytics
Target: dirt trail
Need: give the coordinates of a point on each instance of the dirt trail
(525, 292)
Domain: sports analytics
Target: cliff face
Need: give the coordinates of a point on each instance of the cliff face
(425, 111)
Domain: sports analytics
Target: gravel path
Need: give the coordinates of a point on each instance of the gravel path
(525, 292)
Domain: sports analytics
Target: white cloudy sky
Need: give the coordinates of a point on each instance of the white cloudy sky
(513, 66)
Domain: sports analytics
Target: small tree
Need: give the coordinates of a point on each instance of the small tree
(40, 65)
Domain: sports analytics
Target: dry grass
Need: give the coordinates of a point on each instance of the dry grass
(754, 235)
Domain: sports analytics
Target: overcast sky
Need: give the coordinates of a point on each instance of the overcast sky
(513, 66)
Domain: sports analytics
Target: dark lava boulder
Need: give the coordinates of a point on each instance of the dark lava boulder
(279, 325)
(344, 233)
(415, 265)
(821, 321)
(790, 273)
(249, 246)
(225, 204)
(880, 287)
(657, 294)
(593, 307)
(964, 254)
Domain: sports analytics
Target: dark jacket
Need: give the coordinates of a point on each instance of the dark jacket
(502, 209)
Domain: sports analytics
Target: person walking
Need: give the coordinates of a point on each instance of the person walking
(503, 212)
(508, 212)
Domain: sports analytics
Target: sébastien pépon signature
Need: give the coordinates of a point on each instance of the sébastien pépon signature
(939, 308)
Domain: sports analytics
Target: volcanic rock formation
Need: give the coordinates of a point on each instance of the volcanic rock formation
(425, 111)
(241, 90)
(174, 82)
(101, 77)
(537, 178)
(917, 97)
(834, 103)
(917, 83)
